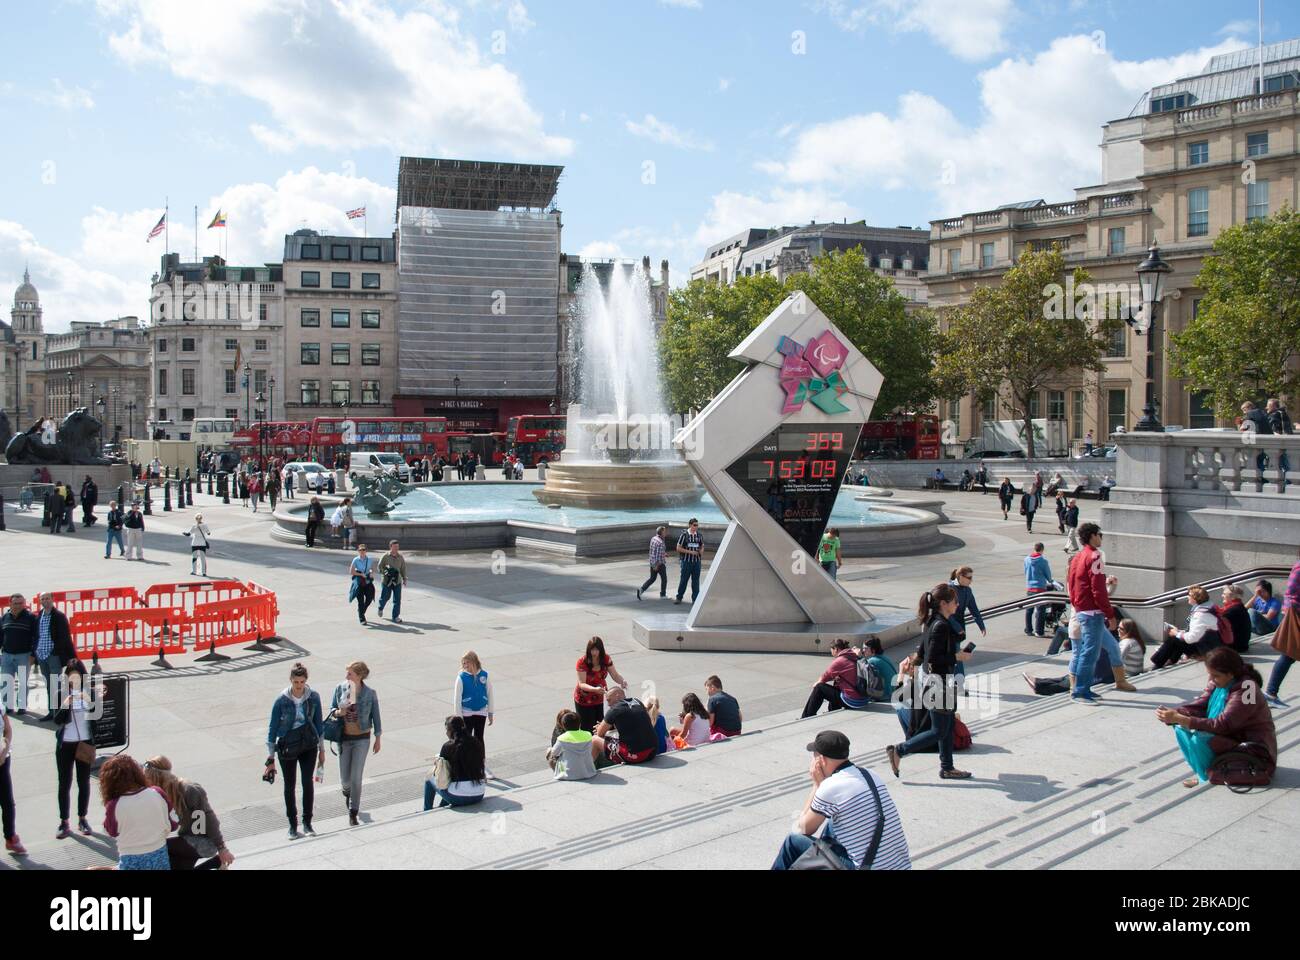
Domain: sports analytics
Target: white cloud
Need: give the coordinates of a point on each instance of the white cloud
(584, 118)
(343, 74)
(724, 84)
(652, 128)
(730, 212)
(58, 95)
(517, 17)
(602, 250)
(1239, 28)
(969, 29)
(1037, 134)
(107, 273)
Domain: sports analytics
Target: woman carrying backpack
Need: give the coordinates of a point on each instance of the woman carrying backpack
(294, 736)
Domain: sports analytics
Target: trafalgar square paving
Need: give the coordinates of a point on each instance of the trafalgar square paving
(1055, 784)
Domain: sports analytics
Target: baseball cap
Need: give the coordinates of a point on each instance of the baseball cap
(831, 744)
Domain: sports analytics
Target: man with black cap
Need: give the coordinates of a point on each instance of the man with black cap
(843, 795)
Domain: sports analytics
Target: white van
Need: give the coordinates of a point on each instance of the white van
(363, 463)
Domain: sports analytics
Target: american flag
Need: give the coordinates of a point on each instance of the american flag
(357, 214)
(162, 223)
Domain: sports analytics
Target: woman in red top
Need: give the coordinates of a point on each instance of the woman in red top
(589, 694)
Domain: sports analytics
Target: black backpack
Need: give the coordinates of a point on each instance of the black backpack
(868, 682)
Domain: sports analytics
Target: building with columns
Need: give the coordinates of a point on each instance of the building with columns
(216, 341)
(25, 398)
(103, 367)
(1195, 156)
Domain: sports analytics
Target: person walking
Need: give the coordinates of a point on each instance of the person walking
(289, 483)
(1006, 490)
(113, 522)
(935, 689)
(1286, 639)
(1028, 507)
(1090, 598)
(690, 556)
(356, 704)
(255, 490)
(56, 502)
(315, 516)
(392, 577)
(75, 748)
(198, 844)
(134, 525)
(472, 698)
(8, 809)
(243, 489)
(1061, 506)
(294, 735)
(1072, 527)
(199, 544)
(361, 573)
(1038, 579)
(54, 648)
(828, 552)
(18, 633)
(658, 564)
(89, 499)
(594, 667)
(139, 817)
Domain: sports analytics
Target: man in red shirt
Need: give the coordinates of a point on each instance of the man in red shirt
(1091, 602)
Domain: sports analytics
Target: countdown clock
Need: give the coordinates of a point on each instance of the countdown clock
(794, 474)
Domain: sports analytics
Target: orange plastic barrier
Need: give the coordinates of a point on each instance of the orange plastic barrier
(129, 633)
(105, 598)
(192, 593)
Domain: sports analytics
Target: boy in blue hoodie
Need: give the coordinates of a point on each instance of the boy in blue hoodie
(1038, 579)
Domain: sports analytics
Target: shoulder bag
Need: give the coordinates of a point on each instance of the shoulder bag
(821, 855)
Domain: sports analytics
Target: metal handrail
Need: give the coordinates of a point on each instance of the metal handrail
(1168, 598)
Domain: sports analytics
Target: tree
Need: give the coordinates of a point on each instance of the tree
(705, 322)
(873, 315)
(1026, 333)
(1246, 334)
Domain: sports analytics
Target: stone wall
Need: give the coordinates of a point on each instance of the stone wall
(912, 474)
(14, 476)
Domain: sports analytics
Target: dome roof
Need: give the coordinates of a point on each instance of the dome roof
(25, 291)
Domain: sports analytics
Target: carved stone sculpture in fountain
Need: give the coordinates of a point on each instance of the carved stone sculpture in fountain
(378, 494)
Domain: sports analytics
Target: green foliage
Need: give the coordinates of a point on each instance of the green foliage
(1014, 334)
(1246, 335)
(705, 322)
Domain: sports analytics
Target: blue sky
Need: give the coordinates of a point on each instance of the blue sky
(678, 121)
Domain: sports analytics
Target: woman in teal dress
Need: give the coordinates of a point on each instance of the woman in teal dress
(1231, 711)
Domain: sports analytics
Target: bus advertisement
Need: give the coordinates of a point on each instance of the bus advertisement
(331, 436)
(534, 439)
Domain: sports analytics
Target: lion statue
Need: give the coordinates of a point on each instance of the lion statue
(76, 442)
(378, 494)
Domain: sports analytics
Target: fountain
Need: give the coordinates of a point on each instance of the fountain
(619, 451)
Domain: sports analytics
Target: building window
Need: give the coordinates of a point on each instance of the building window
(162, 383)
(261, 312)
(232, 344)
(340, 354)
(1257, 144)
(369, 391)
(954, 261)
(311, 278)
(370, 319)
(1116, 410)
(340, 318)
(1196, 307)
(370, 354)
(309, 355)
(187, 382)
(1200, 415)
(370, 253)
(1055, 404)
(986, 255)
(370, 281)
(340, 391)
(1117, 343)
(187, 413)
(311, 251)
(1198, 212)
(162, 413)
(886, 263)
(1035, 405)
(230, 380)
(232, 413)
(340, 251)
(341, 280)
(187, 344)
(309, 318)
(259, 381)
(1256, 200)
(1076, 414)
(1198, 153)
(954, 416)
(990, 410)
(162, 345)
(1166, 104)
(259, 344)
(1115, 240)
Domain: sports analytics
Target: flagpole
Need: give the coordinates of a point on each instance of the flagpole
(167, 224)
(196, 233)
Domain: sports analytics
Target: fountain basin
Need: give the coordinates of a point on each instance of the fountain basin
(619, 485)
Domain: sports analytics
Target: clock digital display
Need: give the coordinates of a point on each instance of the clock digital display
(795, 473)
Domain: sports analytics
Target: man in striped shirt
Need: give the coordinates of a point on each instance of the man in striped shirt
(658, 564)
(842, 796)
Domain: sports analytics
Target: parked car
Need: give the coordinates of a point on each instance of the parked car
(372, 463)
(1100, 453)
(317, 475)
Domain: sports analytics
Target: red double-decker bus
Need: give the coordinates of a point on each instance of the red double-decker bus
(287, 439)
(488, 447)
(536, 438)
(331, 436)
(913, 436)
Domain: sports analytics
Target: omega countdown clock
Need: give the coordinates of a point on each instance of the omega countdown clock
(772, 449)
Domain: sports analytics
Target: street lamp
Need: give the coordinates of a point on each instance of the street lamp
(68, 399)
(1151, 277)
(270, 407)
(248, 397)
(455, 382)
(261, 427)
(130, 419)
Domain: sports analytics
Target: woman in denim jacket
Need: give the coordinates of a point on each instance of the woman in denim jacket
(296, 709)
(358, 710)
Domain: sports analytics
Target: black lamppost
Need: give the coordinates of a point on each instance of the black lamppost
(248, 396)
(270, 407)
(261, 430)
(455, 382)
(1151, 276)
(68, 401)
(130, 419)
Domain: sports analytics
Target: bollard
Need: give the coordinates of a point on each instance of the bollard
(95, 668)
(189, 492)
(224, 481)
(148, 502)
(210, 483)
(45, 519)
(167, 496)
(212, 656)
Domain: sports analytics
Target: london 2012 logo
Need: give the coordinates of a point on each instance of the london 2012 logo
(811, 372)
